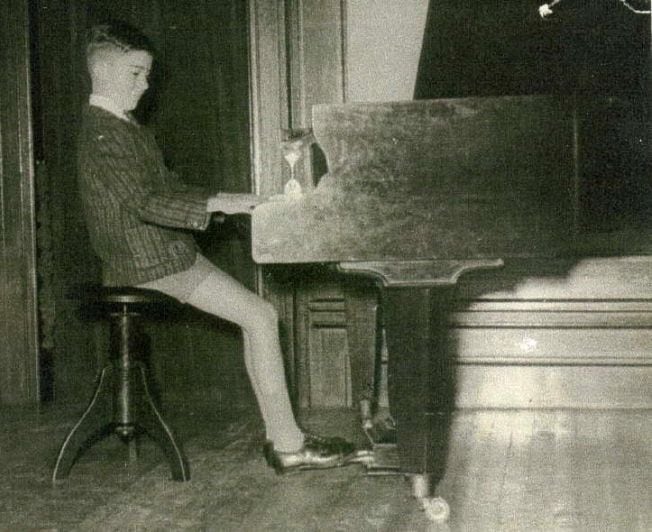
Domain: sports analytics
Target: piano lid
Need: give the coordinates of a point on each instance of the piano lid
(434, 179)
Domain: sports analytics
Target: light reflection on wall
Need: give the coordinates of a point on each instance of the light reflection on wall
(383, 44)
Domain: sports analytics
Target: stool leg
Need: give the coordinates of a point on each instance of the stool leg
(152, 422)
(132, 449)
(92, 425)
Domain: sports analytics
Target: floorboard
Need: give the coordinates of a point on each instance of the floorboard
(506, 470)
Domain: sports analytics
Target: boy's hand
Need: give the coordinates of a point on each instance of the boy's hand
(234, 203)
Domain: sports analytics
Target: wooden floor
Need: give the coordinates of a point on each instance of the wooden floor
(511, 470)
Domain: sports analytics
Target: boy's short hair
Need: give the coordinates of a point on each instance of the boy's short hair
(115, 37)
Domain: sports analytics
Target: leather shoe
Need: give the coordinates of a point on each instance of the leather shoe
(318, 452)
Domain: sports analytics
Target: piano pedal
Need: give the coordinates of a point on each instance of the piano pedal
(379, 429)
(382, 458)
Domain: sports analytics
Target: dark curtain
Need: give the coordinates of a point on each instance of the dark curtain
(597, 52)
(499, 47)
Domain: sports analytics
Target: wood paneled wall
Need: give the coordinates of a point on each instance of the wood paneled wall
(18, 329)
(199, 110)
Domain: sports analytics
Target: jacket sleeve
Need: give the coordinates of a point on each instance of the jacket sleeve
(141, 185)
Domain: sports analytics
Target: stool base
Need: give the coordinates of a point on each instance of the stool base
(93, 424)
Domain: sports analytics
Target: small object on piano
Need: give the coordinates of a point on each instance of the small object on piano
(293, 145)
(292, 153)
(292, 189)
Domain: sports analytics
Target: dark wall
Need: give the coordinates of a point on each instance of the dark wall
(18, 382)
(198, 108)
(597, 53)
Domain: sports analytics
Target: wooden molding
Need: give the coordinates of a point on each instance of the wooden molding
(19, 324)
(570, 332)
(268, 92)
(596, 387)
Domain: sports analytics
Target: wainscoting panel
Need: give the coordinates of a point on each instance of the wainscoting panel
(596, 387)
(574, 334)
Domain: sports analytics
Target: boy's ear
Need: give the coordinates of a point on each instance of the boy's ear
(101, 67)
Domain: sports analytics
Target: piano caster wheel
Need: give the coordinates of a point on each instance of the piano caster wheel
(436, 509)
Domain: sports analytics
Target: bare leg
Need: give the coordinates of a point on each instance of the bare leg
(221, 295)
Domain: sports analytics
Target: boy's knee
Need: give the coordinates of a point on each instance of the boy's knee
(269, 312)
(261, 319)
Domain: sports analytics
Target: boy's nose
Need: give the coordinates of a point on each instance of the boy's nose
(143, 84)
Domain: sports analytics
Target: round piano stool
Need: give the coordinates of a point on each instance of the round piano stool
(122, 402)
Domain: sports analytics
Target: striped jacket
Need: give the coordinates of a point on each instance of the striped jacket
(139, 215)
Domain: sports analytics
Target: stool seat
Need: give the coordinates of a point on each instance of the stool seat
(128, 295)
(122, 403)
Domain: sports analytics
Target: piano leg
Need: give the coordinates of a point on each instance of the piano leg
(420, 380)
(362, 316)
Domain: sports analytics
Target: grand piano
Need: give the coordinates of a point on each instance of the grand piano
(418, 193)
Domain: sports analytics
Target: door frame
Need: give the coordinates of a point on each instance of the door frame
(296, 59)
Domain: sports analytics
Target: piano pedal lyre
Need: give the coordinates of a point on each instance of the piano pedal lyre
(382, 456)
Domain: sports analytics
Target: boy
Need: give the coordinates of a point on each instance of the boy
(139, 215)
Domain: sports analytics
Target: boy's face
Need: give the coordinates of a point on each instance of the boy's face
(127, 75)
